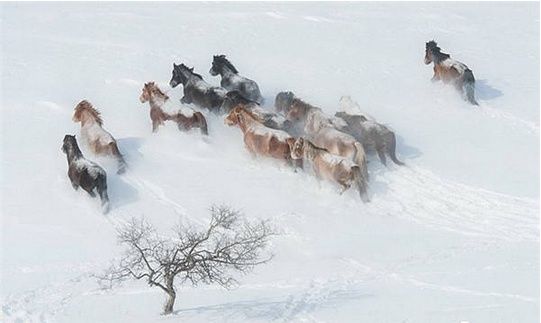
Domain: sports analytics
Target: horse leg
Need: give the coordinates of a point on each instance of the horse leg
(155, 125)
(381, 154)
(120, 159)
(343, 188)
(90, 191)
(102, 191)
(436, 76)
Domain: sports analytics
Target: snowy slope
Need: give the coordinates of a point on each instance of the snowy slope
(453, 236)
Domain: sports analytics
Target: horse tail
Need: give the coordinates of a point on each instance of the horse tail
(121, 162)
(391, 148)
(202, 122)
(360, 159)
(102, 191)
(469, 86)
(360, 182)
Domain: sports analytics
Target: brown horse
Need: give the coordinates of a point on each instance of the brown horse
(448, 70)
(259, 139)
(95, 137)
(152, 94)
(328, 166)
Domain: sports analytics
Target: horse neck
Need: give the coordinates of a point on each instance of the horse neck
(74, 154)
(248, 121)
(88, 120)
(309, 150)
(226, 72)
(156, 103)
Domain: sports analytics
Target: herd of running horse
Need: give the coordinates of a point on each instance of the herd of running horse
(296, 133)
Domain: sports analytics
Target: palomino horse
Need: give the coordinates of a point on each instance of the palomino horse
(258, 139)
(231, 80)
(448, 70)
(95, 137)
(85, 173)
(328, 166)
(152, 94)
(320, 130)
(196, 90)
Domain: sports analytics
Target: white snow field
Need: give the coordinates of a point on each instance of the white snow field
(453, 236)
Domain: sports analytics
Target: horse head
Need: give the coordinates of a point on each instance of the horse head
(84, 111)
(283, 101)
(237, 116)
(181, 74)
(151, 90)
(430, 47)
(70, 147)
(296, 147)
(218, 64)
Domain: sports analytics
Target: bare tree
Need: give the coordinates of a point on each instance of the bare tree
(229, 244)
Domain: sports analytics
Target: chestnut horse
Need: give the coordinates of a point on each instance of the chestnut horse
(328, 166)
(95, 137)
(258, 139)
(448, 70)
(152, 94)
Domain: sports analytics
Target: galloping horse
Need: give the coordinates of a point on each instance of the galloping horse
(374, 136)
(152, 94)
(328, 166)
(320, 130)
(231, 80)
(196, 90)
(95, 137)
(258, 139)
(448, 70)
(85, 173)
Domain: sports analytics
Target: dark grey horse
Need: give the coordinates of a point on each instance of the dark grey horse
(231, 80)
(196, 90)
(85, 173)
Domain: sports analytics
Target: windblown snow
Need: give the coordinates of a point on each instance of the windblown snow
(453, 236)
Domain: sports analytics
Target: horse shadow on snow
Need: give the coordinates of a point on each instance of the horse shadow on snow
(485, 92)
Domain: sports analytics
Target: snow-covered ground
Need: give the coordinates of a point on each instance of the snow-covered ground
(453, 236)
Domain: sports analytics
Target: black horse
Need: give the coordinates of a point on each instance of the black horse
(85, 173)
(231, 80)
(196, 90)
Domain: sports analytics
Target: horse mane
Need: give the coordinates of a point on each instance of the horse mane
(242, 108)
(190, 70)
(432, 46)
(314, 147)
(224, 61)
(306, 106)
(87, 106)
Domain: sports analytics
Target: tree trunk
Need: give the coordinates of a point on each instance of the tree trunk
(168, 308)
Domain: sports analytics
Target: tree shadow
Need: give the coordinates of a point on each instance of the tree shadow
(484, 91)
(286, 309)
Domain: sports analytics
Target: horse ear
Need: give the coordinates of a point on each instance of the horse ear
(175, 65)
